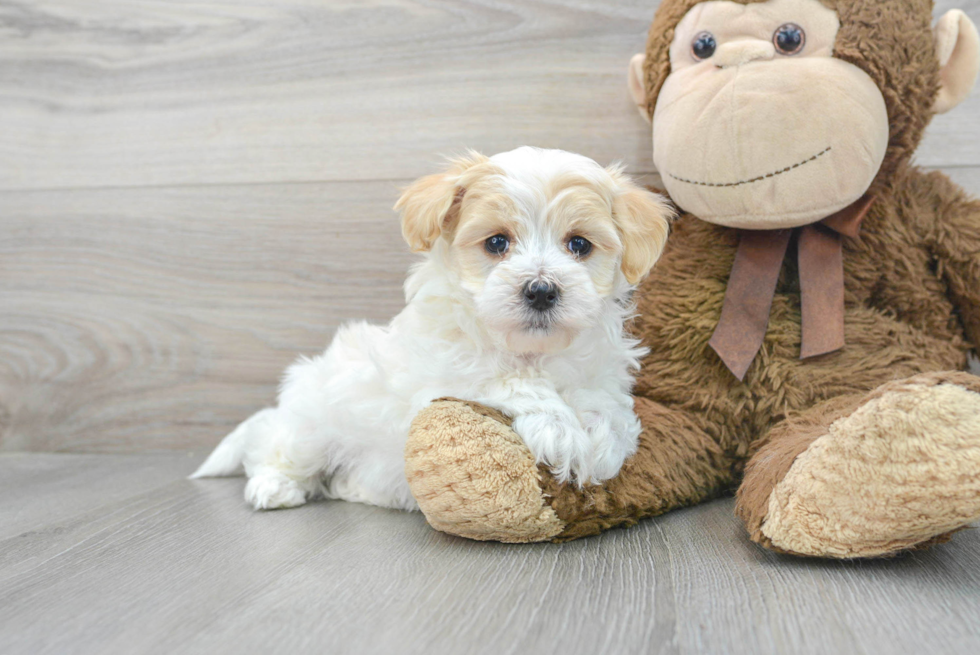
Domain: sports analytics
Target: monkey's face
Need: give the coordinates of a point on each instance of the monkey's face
(758, 126)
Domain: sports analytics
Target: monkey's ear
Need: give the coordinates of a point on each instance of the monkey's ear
(634, 79)
(643, 220)
(431, 204)
(958, 48)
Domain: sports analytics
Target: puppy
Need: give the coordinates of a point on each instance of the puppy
(519, 304)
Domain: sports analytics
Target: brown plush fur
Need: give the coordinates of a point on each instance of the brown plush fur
(677, 463)
(901, 319)
(912, 307)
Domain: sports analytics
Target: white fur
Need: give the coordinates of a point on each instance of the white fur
(343, 417)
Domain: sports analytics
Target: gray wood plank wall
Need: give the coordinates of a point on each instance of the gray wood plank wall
(193, 193)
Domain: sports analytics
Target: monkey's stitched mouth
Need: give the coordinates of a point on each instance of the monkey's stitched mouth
(754, 179)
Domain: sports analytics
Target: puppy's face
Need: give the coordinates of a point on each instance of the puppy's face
(540, 240)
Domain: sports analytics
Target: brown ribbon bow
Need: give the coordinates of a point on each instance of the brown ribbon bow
(752, 285)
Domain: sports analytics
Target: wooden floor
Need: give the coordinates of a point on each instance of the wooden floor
(120, 554)
(191, 194)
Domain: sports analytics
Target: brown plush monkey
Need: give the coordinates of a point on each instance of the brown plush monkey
(810, 320)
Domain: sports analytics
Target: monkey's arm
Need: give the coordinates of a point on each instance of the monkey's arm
(474, 477)
(951, 228)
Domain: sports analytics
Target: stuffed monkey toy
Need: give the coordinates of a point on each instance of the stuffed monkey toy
(810, 320)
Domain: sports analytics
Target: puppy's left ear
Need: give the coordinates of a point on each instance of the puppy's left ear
(643, 220)
(431, 204)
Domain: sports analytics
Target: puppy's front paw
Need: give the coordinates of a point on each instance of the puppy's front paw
(614, 438)
(273, 490)
(559, 441)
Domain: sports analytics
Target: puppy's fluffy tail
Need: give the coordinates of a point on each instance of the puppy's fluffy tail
(227, 457)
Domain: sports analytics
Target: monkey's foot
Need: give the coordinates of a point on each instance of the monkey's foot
(902, 470)
(474, 477)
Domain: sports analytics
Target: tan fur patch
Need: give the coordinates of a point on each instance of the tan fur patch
(429, 205)
(642, 219)
(898, 471)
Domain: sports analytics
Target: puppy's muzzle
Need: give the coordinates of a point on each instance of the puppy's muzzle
(540, 295)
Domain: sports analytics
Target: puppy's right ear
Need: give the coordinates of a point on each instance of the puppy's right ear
(430, 205)
(643, 219)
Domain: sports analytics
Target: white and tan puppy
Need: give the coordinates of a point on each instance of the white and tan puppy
(519, 304)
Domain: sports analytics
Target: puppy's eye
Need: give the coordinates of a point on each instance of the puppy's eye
(579, 246)
(703, 45)
(497, 244)
(789, 39)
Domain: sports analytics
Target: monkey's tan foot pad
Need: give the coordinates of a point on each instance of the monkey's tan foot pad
(902, 470)
(473, 476)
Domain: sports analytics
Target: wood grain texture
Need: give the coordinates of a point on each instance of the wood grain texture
(142, 319)
(184, 566)
(43, 489)
(166, 92)
(114, 92)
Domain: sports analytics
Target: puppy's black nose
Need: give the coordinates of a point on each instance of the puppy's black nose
(540, 295)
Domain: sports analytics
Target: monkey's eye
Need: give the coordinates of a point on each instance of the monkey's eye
(497, 244)
(789, 39)
(579, 246)
(703, 45)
